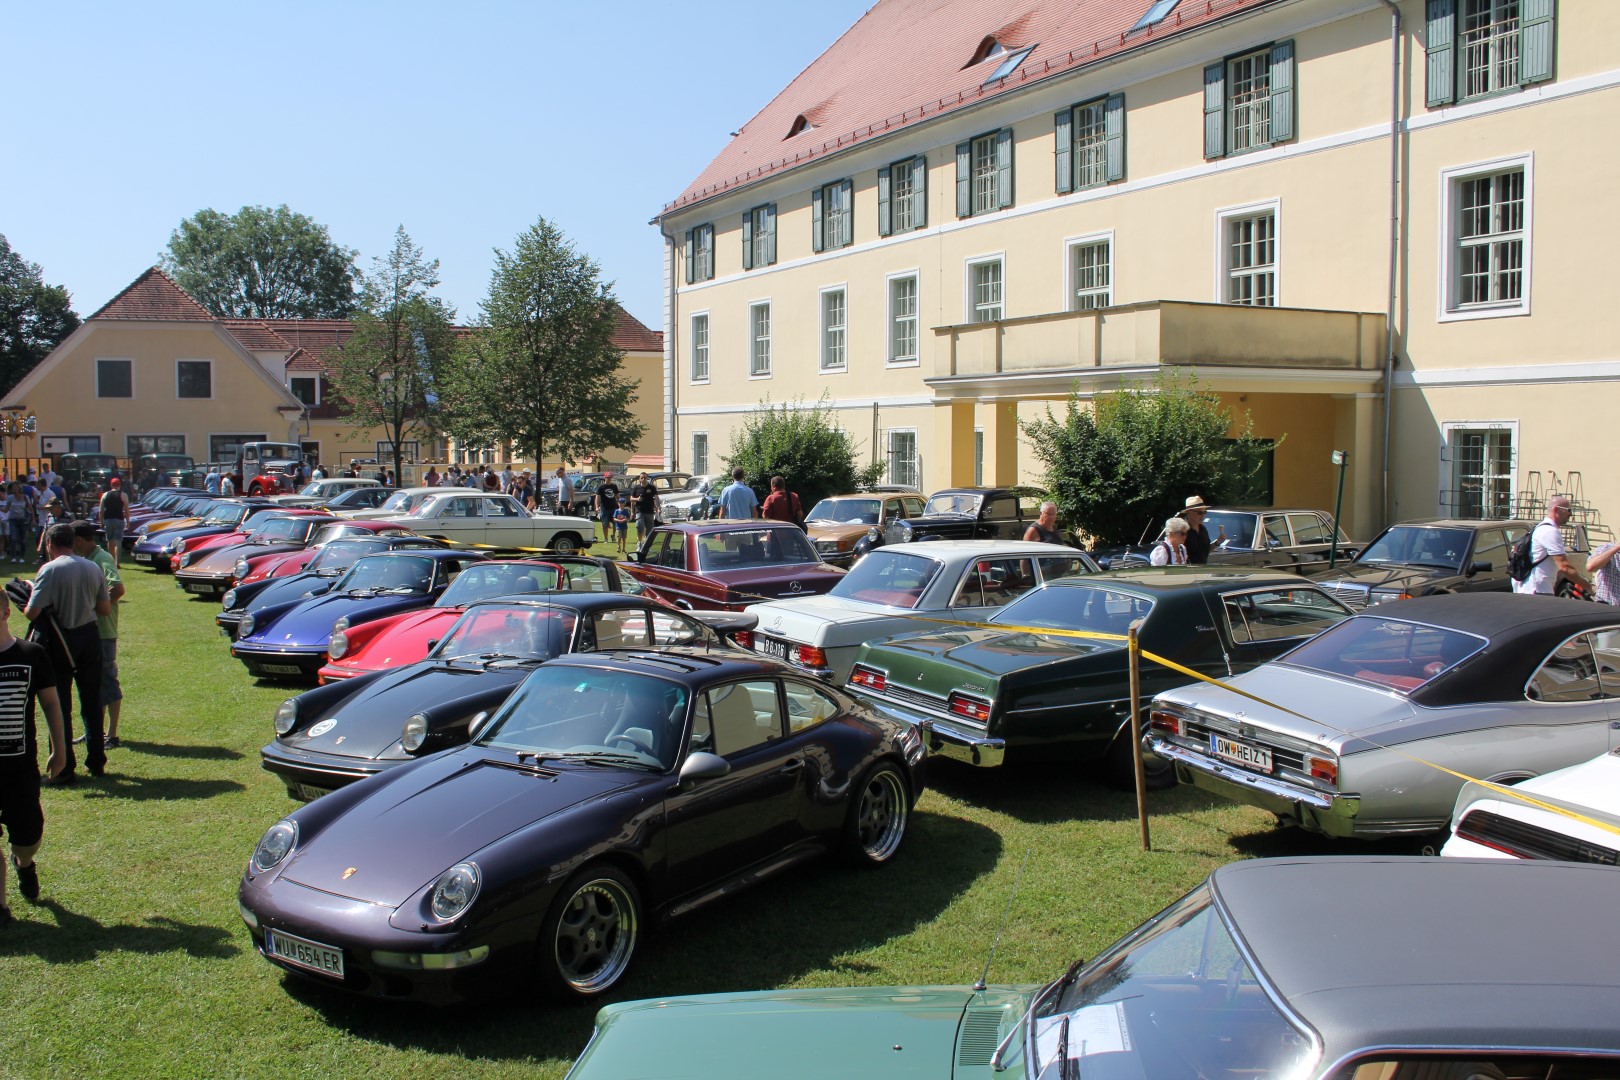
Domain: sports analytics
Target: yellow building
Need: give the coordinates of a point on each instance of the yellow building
(966, 209)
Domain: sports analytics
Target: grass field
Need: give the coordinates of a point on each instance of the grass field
(135, 962)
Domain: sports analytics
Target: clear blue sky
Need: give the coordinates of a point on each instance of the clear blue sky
(464, 122)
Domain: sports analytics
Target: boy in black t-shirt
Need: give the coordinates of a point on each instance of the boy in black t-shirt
(25, 675)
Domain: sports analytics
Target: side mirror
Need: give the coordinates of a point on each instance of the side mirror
(432, 644)
(476, 725)
(1481, 566)
(634, 556)
(702, 766)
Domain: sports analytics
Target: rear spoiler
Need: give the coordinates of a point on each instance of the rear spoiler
(726, 623)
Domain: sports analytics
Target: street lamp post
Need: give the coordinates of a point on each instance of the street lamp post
(1341, 458)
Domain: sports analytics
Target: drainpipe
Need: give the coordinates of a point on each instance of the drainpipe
(1394, 242)
(669, 349)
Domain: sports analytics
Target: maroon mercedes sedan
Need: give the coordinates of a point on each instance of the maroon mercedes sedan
(727, 565)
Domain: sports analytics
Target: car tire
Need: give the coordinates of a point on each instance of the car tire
(1159, 773)
(590, 934)
(879, 811)
(565, 544)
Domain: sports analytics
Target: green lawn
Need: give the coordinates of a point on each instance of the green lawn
(136, 962)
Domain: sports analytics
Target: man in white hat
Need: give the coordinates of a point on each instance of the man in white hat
(1198, 541)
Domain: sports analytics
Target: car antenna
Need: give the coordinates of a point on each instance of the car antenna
(982, 984)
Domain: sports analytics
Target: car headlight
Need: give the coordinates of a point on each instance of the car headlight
(454, 892)
(338, 647)
(341, 625)
(229, 599)
(241, 569)
(414, 733)
(173, 546)
(286, 716)
(245, 627)
(276, 844)
(904, 532)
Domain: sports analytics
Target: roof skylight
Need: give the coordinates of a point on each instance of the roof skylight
(1155, 12)
(1009, 63)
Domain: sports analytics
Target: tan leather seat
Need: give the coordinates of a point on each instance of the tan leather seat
(733, 722)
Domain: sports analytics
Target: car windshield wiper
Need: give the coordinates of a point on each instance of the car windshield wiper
(599, 757)
(1062, 983)
(400, 590)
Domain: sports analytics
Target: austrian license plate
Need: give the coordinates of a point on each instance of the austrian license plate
(1250, 757)
(281, 669)
(309, 792)
(143, 557)
(301, 952)
(770, 646)
(199, 587)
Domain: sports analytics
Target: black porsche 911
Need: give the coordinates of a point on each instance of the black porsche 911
(611, 791)
(354, 728)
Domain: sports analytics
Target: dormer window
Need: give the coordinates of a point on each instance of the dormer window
(800, 126)
(1009, 59)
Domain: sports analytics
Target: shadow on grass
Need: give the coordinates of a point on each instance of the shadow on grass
(148, 788)
(1286, 840)
(77, 939)
(182, 750)
(1038, 793)
(807, 919)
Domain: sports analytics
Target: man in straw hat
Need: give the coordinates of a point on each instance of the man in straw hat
(1198, 541)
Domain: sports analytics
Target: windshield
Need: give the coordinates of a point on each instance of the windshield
(1389, 653)
(388, 572)
(953, 502)
(1175, 999)
(96, 461)
(1443, 549)
(224, 515)
(887, 577)
(1239, 528)
(1095, 608)
(501, 579)
(278, 529)
(739, 549)
(169, 461)
(280, 452)
(510, 630)
(846, 511)
(604, 717)
(341, 554)
(402, 500)
(314, 487)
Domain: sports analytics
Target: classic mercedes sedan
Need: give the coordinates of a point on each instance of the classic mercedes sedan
(903, 589)
(727, 565)
(465, 516)
(1370, 729)
(978, 695)
(611, 792)
(1420, 981)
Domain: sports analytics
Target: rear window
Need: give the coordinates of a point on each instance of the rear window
(887, 577)
(1389, 653)
(1076, 607)
(738, 549)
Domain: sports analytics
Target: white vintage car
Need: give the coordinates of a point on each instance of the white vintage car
(466, 516)
(902, 588)
(1489, 824)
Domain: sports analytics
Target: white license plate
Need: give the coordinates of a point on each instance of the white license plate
(769, 646)
(304, 953)
(199, 588)
(309, 792)
(143, 557)
(282, 669)
(1250, 757)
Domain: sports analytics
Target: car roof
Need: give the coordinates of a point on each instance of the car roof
(1495, 614)
(426, 552)
(1168, 579)
(1461, 523)
(700, 527)
(696, 667)
(1268, 509)
(1395, 951)
(945, 548)
(563, 598)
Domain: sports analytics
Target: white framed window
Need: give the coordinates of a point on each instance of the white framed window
(194, 379)
(834, 329)
(1090, 145)
(985, 290)
(306, 388)
(1479, 48)
(903, 196)
(984, 167)
(1486, 260)
(1479, 468)
(978, 457)
(903, 456)
(759, 340)
(1090, 270)
(700, 253)
(759, 236)
(1248, 102)
(700, 452)
(985, 189)
(115, 378)
(700, 347)
(1247, 247)
(1488, 41)
(832, 216)
(903, 320)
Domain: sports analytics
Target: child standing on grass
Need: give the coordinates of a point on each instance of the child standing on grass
(621, 522)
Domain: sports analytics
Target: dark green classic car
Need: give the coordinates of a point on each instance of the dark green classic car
(978, 693)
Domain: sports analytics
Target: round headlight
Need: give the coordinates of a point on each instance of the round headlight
(173, 546)
(245, 627)
(415, 732)
(905, 534)
(286, 716)
(229, 600)
(276, 845)
(241, 569)
(341, 625)
(453, 893)
(338, 647)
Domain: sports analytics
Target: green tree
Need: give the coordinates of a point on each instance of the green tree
(802, 444)
(34, 317)
(540, 368)
(387, 374)
(1130, 460)
(260, 263)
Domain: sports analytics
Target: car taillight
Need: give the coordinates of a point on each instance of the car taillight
(1321, 768)
(870, 678)
(810, 656)
(969, 708)
(1169, 723)
(745, 638)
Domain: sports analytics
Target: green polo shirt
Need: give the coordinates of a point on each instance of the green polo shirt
(107, 625)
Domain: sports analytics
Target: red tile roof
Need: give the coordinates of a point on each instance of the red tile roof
(304, 360)
(256, 336)
(906, 61)
(633, 336)
(154, 295)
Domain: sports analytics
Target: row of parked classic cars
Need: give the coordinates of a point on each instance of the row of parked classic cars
(517, 762)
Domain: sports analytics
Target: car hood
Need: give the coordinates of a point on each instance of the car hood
(993, 653)
(403, 641)
(389, 845)
(823, 530)
(878, 1031)
(273, 592)
(1342, 714)
(310, 623)
(1397, 576)
(367, 723)
(160, 538)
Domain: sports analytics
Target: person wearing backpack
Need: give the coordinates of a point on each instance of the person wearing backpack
(1549, 561)
(114, 508)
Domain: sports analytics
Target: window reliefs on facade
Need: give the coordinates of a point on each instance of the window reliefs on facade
(1475, 48)
(1091, 273)
(834, 329)
(832, 215)
(1089, 143)
(902, 345)
(700, 452)
(759, 339)
(700, 253)
(759, 236)
(903, 196)
(115, 378)
(1486, 256)
(306, 388)
(1248, 255)
(984, 173)
(193, 378)
(902, 457)
(985, 290)
(700, 347)
(1249, 101)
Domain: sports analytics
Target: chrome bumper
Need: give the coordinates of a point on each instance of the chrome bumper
(942, 738)
(1315, 810)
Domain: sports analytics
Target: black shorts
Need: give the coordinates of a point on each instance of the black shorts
(20, 813)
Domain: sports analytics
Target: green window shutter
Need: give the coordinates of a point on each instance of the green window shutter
(818, 221)
(1536, 40)
(885, 211)
(770, 234)
(1063, 150)
(846, 231)
(691, 256)
(964, 179)
(1440, 41)
(1004, 167)
(1114, 136)
(919, 191)
(1215, 111)
(1282, 91)
(748, 240)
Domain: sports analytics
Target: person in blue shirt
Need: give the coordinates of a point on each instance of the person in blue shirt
(738, 501)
